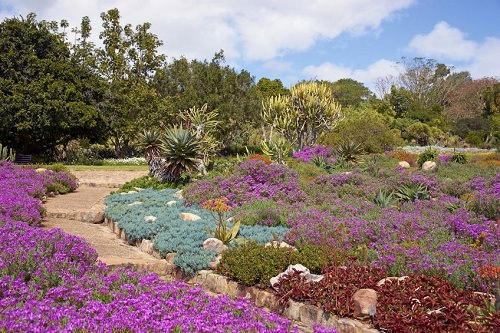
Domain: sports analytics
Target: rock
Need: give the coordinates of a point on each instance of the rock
(391, 279)
(171, 203)
(130, 192)
(40, 170)
(299, 268)
(429, 166)
(278, 244)
(138, 189)
(146, 246)
(149, 218)
(98, 218)
(214, 244)
(365, 303)
(213, 265)
(178, 194)
(135, 203)
(231, 219)
(189, 217)
(404, 164)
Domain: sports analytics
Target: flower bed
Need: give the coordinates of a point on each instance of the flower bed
(52, 282)
(169, 232)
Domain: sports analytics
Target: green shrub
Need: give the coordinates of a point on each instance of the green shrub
(265, 212)
(412, 192)
(427, 155)
(145, 182)
(254, 264)
(385, 199)
(460, 158)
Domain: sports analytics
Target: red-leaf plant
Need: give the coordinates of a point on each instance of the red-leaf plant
(417, 304)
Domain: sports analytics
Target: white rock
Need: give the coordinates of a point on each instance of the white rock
(130, 192)
(299, 268)
(138, 188)
(40, 170)
(135, 203)
(189, 217)
(391, 279)
(214, 244)
(178, 194)
(171, 203)
(149, 218)
(404, 164)
(278, 244)
(429, 166)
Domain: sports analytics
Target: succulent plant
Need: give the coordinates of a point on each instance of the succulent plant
(349, 152)
(180, 150)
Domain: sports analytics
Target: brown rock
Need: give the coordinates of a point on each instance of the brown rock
(365, 303)
(98, 218)
(214, 244)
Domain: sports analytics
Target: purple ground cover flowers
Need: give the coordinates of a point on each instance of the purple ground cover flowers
(53, 282)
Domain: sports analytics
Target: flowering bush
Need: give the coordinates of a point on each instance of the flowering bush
(309, 153)
(252, 180)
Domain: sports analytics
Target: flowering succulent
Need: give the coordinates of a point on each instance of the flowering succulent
(221, 232)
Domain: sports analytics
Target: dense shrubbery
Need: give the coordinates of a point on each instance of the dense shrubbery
(145, 182)
(254, 264)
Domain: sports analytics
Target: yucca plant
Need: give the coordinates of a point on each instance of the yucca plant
(149, 140)
(385, 199)
(349, 152)
(180, 150)
(412, 192)
(460, 158)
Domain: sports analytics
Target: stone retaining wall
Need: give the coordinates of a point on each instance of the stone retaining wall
(208, 280)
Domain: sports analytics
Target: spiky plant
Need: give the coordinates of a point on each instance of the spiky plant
(180, 150)
(412, 192)
(149, 140)
(349, 152)
(385, 199)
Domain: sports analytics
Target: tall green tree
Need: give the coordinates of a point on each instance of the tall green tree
(128, 61)
(349, 92)
(46, 97)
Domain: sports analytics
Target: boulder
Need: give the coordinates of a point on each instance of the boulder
(171, 203)
(365, 303)
(98, 218)
(135, 203)
(299, 268)
(214, 244)
(429, 166)
(149, 218)
(146, 246)
(178, 194)
(40, 170)
(404, 164)
(278, 244)
(189, 217)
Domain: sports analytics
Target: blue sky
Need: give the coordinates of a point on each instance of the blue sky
(303, 39)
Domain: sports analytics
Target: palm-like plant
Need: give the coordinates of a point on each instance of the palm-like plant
(150, 142)
(180, 150)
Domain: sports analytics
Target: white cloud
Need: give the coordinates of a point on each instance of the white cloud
(368, 75)
(450, 44)
(246, 29)
(444, 41)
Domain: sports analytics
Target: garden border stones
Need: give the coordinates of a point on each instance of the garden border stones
(210, 281)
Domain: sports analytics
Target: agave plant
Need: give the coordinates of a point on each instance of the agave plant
(385, 199)
(180, 150)
(349, 152)
(412, 192)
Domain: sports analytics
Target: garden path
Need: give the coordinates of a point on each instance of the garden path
(68, 213)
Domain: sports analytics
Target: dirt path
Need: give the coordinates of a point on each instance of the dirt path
(69, 213)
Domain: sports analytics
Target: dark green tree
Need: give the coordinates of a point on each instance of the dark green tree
(349, 92)
(46, 97)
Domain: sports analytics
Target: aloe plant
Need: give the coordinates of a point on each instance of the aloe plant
(180, 150)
